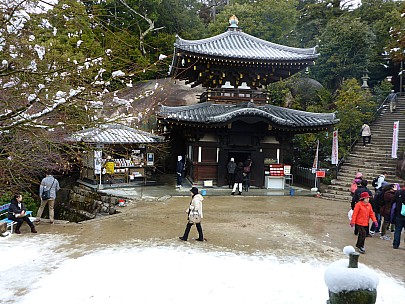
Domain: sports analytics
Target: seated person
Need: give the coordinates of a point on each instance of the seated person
(16, 213)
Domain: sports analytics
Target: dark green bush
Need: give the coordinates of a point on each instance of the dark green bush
(28, 200)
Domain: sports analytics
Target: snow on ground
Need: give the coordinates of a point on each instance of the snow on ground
(51, 268)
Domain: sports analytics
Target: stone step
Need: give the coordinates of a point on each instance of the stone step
(338, 197)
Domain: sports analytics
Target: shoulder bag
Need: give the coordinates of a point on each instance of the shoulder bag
(46, 193)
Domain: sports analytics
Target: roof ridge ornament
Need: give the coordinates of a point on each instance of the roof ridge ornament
(233, 21)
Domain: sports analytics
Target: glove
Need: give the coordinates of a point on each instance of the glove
(351, 225)
(376, 224)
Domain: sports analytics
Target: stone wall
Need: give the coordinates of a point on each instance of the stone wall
(85, 203)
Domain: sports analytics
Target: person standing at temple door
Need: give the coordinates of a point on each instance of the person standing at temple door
(109, 166)
(179, 171)
(231, 172)
(247, 166)
(238, 179)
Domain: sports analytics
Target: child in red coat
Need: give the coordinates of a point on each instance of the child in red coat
(362, 213)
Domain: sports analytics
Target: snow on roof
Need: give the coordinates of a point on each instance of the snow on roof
(115, 134)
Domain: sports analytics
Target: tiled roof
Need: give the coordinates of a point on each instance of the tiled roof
(208, 113)
(237, 44)
(115, 134)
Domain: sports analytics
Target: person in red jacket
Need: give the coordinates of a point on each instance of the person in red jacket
(362, 213)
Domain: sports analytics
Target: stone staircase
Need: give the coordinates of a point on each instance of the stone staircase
(372, 159)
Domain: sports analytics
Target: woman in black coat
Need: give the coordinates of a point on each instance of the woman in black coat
(238, 178)
(16, 213)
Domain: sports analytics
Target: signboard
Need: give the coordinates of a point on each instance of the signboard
(97, 161)
(150, 159)
(335, 148)
(320, 173)
(395, 139)
(315, 164)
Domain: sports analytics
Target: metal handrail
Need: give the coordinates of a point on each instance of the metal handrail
(373, 118)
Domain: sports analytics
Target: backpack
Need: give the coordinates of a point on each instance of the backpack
(379, 198)
(374, 183)
(353, 187)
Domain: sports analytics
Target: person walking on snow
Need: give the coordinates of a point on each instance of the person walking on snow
(362, 213)
(195, 204)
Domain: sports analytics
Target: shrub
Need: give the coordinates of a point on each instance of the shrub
(28, 200)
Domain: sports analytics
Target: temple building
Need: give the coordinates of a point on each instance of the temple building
(232, 118)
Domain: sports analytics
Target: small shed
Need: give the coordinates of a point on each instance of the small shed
(132, 150)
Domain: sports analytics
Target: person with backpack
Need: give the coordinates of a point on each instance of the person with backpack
(379, 181)
(356, 182)
(399, 217)
(385, 210)
(366, 134)
(362, 213)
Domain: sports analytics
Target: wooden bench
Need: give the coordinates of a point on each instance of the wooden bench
(4, 219)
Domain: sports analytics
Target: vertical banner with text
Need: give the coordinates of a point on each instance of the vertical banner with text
(97, 161)
(335, 148)
(315, 164)
(395, 139)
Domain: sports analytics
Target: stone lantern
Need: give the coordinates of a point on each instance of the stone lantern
(349, 282)
(365, 78)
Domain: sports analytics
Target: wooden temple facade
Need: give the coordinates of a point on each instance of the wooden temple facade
(233, 117)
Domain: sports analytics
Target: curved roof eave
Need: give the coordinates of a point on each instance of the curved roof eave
(205, 114)
(253, 47)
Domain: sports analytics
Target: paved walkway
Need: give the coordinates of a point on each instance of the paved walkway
(166, 188)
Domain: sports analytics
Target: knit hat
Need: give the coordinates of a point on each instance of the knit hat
(364, 195)
(194, 190)
(359, 175)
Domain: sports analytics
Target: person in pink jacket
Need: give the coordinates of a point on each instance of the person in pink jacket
(362, 213)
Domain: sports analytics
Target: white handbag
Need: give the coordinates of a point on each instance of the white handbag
(194, 217)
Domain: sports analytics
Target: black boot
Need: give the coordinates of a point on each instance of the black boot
(233, 193)
(186, 232)
(240, 193)
(200, 233)
(33, 230)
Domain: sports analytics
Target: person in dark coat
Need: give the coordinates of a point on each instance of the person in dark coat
(356, 198)
(16, 213)
(385, 210)
(247, 167)
(238, 179)
(399, 217)
(179, 171)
